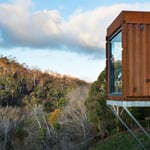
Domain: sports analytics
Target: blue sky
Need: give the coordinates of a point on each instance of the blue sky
(63, 36)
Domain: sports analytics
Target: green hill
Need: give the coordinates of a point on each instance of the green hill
(121, 141)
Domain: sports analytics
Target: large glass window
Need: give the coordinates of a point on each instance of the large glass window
(115, 64)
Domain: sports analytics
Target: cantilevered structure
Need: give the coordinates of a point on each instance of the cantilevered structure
(128, 63)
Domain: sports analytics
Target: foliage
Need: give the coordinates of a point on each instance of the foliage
(12, 128)
(52, 120)
(20, 86)
(97, 111)
(22, 128)
(37, 98)
(75, 128)
(120, 141)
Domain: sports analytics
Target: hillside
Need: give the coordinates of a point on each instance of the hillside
(120, 141)
(47, 111)
(41, 110)
(19, 84)
(111, 132)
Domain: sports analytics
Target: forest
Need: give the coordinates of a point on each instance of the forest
(48, 111)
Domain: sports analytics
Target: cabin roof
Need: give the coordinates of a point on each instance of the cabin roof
(139, 17)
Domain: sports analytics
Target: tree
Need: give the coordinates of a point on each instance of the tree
(75, 128)
(97, 111)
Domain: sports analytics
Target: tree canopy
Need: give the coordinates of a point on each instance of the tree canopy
(20, 85)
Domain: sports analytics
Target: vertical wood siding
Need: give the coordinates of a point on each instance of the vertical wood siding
(137, 60)
(135, 55)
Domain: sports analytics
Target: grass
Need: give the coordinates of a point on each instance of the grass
(121, 141)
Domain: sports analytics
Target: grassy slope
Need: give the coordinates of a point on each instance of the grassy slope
(121, 141)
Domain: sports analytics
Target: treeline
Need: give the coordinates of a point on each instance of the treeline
(41, 111)
(20, 85)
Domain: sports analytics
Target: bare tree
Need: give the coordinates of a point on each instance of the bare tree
(75, 128)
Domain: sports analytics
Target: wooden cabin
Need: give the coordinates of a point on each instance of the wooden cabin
(128, 57)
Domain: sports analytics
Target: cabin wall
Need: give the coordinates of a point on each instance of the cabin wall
(137, 60)
(135, 28)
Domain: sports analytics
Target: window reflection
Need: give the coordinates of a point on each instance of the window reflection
(115, 64)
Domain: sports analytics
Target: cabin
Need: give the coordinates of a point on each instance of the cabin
(128, 57)
(128, 66)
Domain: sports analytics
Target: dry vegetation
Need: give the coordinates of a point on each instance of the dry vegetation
(43, 111)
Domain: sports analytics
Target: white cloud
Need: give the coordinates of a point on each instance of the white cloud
(48, 22)
(89, 28)
(83, 31)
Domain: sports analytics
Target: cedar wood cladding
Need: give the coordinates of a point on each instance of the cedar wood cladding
(135, 28)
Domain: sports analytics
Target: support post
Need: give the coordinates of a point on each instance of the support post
(144, 148)
(138, 124)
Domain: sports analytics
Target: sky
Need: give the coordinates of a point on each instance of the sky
(63, 36)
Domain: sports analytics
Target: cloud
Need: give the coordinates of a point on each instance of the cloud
(82, 32)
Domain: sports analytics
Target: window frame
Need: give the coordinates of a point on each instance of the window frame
(110, 92)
